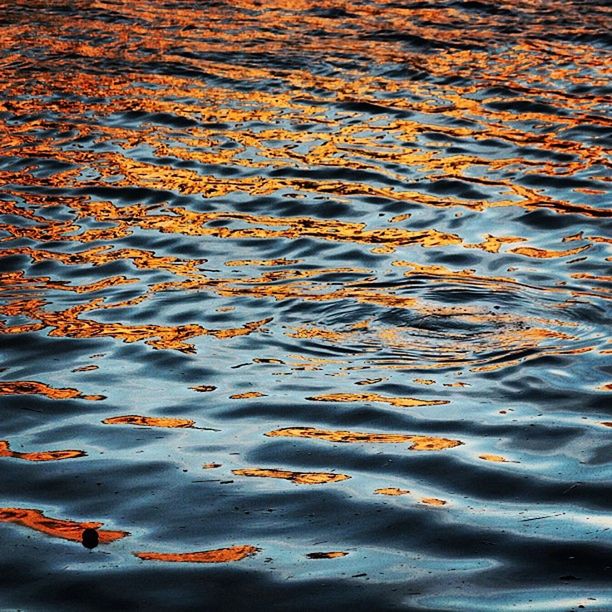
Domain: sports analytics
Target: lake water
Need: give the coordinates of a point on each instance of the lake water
(305, 305)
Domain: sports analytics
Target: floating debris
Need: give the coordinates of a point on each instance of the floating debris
(90, 538)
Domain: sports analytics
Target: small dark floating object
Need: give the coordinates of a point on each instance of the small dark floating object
(90, 538)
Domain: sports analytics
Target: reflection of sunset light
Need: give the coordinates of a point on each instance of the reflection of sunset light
(58, 528)
(221, 555)
(144, 421)
(30, 387)
(367, 241)
(55, 455)
(417, 442)
(297, 477)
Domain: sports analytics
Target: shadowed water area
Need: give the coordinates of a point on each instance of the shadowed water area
(304, 305)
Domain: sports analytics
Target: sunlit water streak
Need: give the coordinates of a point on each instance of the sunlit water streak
(305, 304)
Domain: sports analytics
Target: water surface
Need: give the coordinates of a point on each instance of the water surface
(304, 305)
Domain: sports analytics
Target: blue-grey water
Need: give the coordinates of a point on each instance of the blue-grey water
(305, 305)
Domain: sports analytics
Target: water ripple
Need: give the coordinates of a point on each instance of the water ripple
(310, 297)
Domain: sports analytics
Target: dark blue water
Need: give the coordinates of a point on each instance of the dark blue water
(305, 306)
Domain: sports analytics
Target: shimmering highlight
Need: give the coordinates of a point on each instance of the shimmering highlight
(219, 555)
(308, 478)
(57, 528)
(417, 442)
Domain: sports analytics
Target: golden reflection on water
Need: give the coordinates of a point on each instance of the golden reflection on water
(433, 501)
(58, 528)
(400, 402)
(54, 455)
(392, 491)
(32, 387)
(204, 388)
(69, 324)
(296, 477)
(247, 395)
(417, 442)
(333, 554)
(495, 458)
(382, 195)
(146, 421)
(220, 555)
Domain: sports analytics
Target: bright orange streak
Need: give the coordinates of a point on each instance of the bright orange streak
(334, 554)
(220, 555)
(402, 402)
(29, 387)
(296, 477)
(418, 443)
(55, 455)
(393, 491)
(144, 421)
(58, 528)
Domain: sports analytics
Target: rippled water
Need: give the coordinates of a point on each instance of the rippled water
(305, 304)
